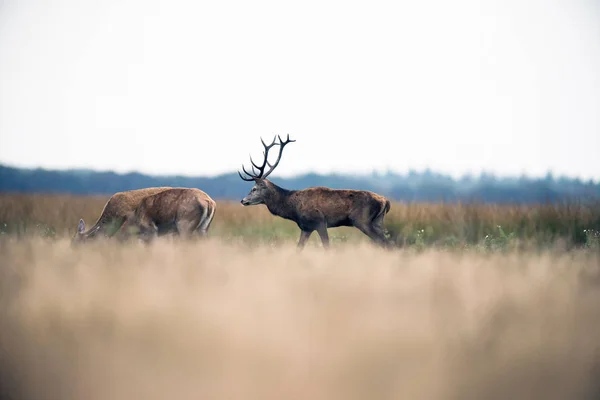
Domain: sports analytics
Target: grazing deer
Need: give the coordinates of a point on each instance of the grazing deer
(114, 213)
(316, 208)
(180, 210)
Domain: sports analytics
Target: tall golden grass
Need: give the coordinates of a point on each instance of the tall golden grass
(432, 224)
(215, 320)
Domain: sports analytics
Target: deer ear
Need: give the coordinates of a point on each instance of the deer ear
(81, 226)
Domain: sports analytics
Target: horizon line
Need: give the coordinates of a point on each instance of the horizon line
(373, 172)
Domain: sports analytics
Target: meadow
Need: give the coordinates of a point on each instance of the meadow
(418, 226)
(461, 309)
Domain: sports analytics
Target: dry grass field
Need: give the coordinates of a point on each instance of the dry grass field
(243, 315)
(418, 225)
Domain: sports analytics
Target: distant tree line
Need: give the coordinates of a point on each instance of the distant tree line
(424, 186)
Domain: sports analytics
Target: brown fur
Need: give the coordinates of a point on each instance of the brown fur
(319, 208)
(316, 208)
(181, 210)
(115, 212)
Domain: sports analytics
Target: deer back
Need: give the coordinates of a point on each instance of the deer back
(338, 206)
(122, 203)
(168, 205)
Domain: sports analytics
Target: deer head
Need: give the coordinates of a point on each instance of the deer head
(261, 187)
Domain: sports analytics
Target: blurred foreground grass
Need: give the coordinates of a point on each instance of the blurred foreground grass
(215, 320)
(244, 316)
(419, 225)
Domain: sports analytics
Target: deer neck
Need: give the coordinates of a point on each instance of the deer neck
(278, 202)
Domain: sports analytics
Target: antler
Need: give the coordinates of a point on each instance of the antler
(261, 169)
(281, 146)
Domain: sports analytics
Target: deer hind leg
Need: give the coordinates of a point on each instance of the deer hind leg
(382, 240)
(377, 226)
(372, 233)
(186, 228)
(206, 220)
(374, 230)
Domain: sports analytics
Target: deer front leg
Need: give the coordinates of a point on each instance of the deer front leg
(304, 235)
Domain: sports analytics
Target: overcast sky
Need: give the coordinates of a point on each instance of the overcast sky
(188, 87)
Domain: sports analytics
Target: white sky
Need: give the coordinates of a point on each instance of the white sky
(188, 87)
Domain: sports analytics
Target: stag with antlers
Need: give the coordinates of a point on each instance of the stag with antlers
(316, 208)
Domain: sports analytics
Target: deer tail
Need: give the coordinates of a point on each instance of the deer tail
(384, 210)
